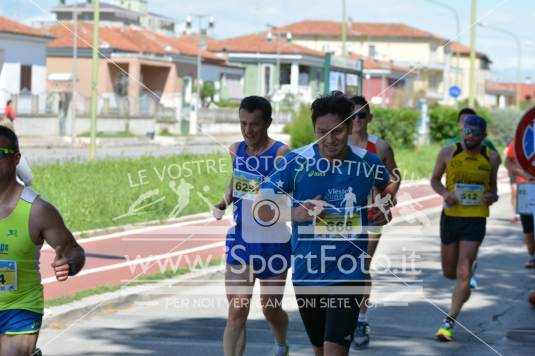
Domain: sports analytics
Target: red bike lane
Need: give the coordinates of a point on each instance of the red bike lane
(122, 257)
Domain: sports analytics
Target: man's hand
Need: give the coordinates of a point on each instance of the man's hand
(61, 264)
(219, 210)
(379, 218)
(450, 198)
(490, 198)
(309, 210)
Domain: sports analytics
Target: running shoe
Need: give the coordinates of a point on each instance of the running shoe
(361, 337)
(530, 263)
(281, 351)
(445, 332)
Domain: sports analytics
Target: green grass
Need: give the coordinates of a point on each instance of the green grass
(90, 195)
(418, 162)
(54, 302)
(118, 134)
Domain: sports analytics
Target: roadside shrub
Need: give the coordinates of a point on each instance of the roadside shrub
(443, 124)
(397, 126)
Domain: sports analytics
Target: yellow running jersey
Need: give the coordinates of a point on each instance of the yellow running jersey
(468, 176)
(20, 279)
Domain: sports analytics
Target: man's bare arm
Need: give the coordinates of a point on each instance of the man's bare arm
(492, 196)
(514, 168)
(227, 197)
(389, 160)
(438, 171)
(47, 224)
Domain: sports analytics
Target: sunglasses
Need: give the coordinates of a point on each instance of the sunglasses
(474, 132)
(4, 152)
(361, 115)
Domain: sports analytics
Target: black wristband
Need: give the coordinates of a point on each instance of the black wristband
(72, 269)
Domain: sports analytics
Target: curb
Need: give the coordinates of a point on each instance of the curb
(80, 309)
(122, 228)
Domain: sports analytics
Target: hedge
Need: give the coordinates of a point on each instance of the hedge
(397, 126)
(443, 123)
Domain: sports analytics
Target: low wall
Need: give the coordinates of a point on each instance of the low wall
(139, 126)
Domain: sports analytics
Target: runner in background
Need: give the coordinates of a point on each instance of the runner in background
(360, 138)
(520, 176)
(512, 182)
(463, 113)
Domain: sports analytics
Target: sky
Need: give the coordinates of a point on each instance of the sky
(237, 17)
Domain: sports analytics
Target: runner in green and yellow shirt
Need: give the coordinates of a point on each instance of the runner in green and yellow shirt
(26, 222)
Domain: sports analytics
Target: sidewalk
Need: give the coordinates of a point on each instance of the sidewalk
(43, 150)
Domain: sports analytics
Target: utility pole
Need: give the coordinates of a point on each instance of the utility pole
(74, 70)
(201, 44)
(94, 82)
(344, 29)
(472, 74)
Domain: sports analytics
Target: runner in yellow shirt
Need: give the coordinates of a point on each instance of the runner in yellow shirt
(471, 175)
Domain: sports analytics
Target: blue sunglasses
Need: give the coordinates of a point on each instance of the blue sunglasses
(474, 132)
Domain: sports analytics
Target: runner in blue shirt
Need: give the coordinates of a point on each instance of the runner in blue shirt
(329, 237)
(251, 253)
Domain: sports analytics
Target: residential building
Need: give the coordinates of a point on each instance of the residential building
(423, 53)
(385, 83)
(281, 69)
(146, 67)
(23, 73)
(501, 94)
(462, 77)
(118, 13)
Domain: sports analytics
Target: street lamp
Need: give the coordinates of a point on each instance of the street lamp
(269, 38)
(201, 44)
(519, 56)
(458, 33)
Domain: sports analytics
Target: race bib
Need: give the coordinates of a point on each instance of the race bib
(525, 198)
(339, 224)
(245, 185)
(8, 276)
(469, 194)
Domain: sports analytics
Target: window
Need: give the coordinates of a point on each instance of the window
(26, 78)
(267, 80)
(434, 82)
(371, 51)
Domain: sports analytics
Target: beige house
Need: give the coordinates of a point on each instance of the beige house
(423, 52)
(462, 77)
(138, 69)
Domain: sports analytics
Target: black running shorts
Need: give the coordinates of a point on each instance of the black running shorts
(454, 229)
(330, 317)
(527, 223)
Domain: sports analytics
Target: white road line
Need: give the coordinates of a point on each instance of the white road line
(140, 261)
(140, 231)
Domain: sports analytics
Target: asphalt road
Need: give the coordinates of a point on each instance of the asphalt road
(188, 319)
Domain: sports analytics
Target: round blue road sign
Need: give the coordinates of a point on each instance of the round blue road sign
(455, 91)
